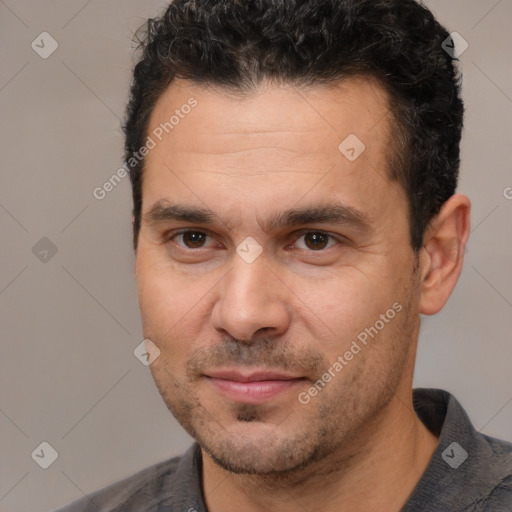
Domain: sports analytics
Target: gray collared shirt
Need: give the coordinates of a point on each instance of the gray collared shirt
(468, 472)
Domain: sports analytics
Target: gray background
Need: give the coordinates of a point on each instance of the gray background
(70, 324)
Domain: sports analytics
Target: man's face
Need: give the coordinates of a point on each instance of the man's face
(244, 339)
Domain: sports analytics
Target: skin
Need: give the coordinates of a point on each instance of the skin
(357, 445)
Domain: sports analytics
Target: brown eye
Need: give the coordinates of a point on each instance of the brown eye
(316, 240)
(190, 239)
(194, 239)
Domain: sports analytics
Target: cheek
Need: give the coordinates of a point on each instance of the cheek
(345, 299)
(173, 307)
(160, 289)
(350, 308)
(155, 298)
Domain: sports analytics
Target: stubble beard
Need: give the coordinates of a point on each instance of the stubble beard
(303, 442)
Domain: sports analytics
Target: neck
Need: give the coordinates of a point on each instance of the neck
(376, 470)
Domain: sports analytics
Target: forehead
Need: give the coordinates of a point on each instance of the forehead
(255, 150)
(272, 111)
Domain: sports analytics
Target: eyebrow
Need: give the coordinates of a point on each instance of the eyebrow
(331, 212)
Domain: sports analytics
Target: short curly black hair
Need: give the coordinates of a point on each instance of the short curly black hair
(235, 44)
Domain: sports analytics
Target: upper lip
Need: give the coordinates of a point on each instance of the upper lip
(248, 376)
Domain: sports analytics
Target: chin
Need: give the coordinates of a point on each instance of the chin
(259, 448)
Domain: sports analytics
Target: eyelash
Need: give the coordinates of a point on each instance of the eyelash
(169, 238)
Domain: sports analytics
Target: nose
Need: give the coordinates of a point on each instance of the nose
(251, 298)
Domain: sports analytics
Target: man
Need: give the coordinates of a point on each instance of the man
(294, 166)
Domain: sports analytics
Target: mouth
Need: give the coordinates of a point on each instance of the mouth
(252, 387)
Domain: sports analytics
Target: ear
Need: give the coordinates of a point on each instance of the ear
(135, 259)
(442, 255)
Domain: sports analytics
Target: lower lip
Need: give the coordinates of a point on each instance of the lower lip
(253, 392)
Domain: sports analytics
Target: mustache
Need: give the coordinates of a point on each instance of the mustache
(266, 352)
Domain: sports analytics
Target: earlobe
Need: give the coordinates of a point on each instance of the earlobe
(442, 255)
